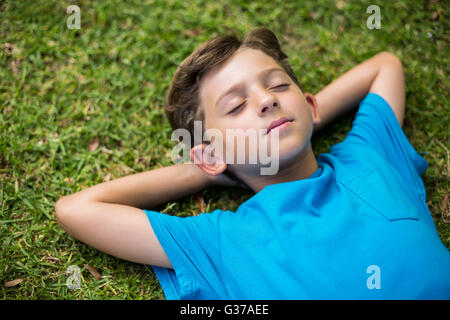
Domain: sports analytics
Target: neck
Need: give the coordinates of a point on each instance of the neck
(302, 167)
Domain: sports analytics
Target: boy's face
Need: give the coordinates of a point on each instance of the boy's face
(264, 93)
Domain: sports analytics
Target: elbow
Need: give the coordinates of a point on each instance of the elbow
(62, 209)
(59, 207)
(389, 57)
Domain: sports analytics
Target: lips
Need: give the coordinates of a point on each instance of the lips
(277, 123)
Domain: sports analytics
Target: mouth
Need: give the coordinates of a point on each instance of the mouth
(280, 123)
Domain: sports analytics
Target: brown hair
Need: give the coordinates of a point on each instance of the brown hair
(182, 101)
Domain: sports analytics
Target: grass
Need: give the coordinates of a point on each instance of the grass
(62, 89)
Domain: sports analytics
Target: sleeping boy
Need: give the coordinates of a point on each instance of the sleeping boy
(352, 223)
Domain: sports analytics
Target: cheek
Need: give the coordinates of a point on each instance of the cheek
(240, 121)
(294, 103)
(239, 147)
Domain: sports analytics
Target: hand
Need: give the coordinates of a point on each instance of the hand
(223, 180)
(228, 179)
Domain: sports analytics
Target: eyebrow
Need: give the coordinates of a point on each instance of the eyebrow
(237, 86)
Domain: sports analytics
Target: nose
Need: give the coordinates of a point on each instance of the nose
(268, 103)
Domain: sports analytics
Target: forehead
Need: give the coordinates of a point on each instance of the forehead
(244, 65)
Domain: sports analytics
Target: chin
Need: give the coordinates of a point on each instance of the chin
(292, 150)
(290, 145)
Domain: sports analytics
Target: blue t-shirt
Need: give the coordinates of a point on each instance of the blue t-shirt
(358, 228)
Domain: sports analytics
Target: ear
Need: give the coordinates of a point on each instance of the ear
(312, 102)
(204, 157)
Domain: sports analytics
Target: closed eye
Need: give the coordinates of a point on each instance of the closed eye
(239, 106)
(282, 85)
(236, 108)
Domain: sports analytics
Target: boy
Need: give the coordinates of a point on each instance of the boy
(351, 224)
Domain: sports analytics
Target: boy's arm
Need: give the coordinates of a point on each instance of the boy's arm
(107, 216)
(381, 74)
(147, 189)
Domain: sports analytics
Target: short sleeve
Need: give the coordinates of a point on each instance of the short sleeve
(376, 127)
(192, 246)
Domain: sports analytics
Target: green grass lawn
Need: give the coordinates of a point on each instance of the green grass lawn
(63, 90)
